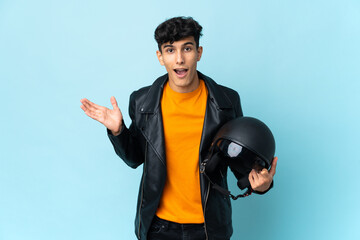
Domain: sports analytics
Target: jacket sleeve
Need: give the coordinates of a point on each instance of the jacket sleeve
(129, 144)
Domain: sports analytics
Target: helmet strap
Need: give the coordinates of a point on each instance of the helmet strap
(211, 167)
(225, 191)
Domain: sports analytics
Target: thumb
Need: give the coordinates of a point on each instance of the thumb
(113, 102)
(272, 170)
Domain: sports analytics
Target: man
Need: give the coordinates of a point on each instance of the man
(173, 123)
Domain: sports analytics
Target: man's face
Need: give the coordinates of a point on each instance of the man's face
(180, 60)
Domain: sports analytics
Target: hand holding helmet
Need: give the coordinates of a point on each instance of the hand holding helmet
(247, 146)
(260, 181)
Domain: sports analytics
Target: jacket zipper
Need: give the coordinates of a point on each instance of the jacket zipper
(206, 198)
(208, 189)
(142, 185)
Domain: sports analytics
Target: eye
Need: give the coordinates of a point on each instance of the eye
(187, 49)
(169, 50)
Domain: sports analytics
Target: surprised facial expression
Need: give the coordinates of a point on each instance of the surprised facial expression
(180, 60)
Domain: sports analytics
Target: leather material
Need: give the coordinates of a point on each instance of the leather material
(143, 143)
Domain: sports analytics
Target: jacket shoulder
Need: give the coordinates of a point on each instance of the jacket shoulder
(140, 92)
(231, 93)
(225, 96)
(234, 98)
(147, 98)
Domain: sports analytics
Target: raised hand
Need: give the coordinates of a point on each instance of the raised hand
(110, 118)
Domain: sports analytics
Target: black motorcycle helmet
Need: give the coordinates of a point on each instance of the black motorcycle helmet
(244, 143)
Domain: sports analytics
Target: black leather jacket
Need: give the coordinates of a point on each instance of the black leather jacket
(143, 143)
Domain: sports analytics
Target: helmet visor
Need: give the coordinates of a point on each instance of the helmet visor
(239, 157)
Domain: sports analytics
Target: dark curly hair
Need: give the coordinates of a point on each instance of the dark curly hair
(177, 28)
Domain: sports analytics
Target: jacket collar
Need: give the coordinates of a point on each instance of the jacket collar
(153, 97)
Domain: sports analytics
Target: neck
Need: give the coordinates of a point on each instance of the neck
(186, 86)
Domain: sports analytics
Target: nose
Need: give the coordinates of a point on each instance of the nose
(179, 58)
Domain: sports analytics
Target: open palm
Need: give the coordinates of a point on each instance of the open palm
(110, 118)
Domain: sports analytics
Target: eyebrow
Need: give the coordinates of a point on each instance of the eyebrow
(187, 43)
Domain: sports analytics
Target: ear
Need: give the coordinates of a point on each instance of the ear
(199, 51)
(160, 57)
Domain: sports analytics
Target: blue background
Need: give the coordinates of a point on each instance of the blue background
(295, 65)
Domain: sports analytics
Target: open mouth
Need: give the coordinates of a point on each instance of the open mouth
(181, 72)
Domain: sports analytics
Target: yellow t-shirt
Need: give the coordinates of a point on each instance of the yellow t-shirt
(183, 118)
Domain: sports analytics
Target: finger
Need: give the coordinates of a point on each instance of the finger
(84, 107)
(89, 113)
(254, 179)
(264, 171)
(90, 110)
(89, 104)
(251, 180)
(86, 103)
(114, 102)
(254, 175)
(87, 108)
(272, 170)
